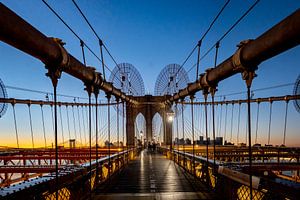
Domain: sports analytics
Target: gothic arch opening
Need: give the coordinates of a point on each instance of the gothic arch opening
(140, 129)
(157, 128)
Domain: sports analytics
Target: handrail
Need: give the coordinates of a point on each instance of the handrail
(51, 103)
(256, 100)
(229, 179)
(73, 171)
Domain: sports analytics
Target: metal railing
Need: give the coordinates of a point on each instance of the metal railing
(76, 181)
(228, 182)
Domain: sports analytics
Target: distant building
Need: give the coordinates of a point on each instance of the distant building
(188, 141)
(176, 141)
(200, 141)
(242, 145)
(207, 141)
(268, 145)
(219, 141)
(179, 141)
(228, 143)
(107, 143)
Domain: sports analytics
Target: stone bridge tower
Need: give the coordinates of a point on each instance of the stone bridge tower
(148, 106)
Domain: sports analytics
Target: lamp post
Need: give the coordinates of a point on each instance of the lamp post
(170, 118)
(141, 134)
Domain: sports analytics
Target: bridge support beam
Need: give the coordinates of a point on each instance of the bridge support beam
(18, 33)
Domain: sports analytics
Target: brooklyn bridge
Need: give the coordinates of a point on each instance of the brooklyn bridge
(75, 123)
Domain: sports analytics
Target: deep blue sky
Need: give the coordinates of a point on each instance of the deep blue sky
(150, 35)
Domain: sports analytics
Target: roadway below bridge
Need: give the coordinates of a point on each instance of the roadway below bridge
(152, 176)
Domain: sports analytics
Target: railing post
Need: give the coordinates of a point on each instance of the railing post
(192, 96)
(183, 135)
(118, 133)
(212, 92)
(108, 96)
(177, 131)
(96, 93)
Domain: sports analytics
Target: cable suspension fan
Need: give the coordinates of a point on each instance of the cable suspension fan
(3, 94)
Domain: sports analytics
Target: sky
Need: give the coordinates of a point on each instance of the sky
(150, 35)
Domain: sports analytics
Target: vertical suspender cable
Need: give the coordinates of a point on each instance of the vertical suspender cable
(90, 143)
(74, 123)
(231, 122)
(79, 124)
(200, 120)
(206, 133)
(96, 92)
(61, 124)
(177, 126)
(217, 117)
(193, 131)
(89, 90)
(270, 121)
(182, 116)
(83, 123)
(249, 136)
(213, 127)
(226, 105)
(108, 131)
(68, 121)
(165, 127)
(123, 125)
(213, 108)
(246, 132)
(43, 124)
(30, 121)
(55, 132)
(238, 128)
(209, 121)
(52, 117)
(84, 62)
(257, 117)
(87, 117)
(15, 123)
(127, 147)
(220, 124)
(93, 121)
(118, 131)
(285, 121)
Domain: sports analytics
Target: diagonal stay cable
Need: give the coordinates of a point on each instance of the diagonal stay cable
(226, 33)
(98, 37)
(80, 39)
(202, 38)
(95, 33)
(74, 33)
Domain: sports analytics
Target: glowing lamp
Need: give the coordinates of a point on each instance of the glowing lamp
(170, 115)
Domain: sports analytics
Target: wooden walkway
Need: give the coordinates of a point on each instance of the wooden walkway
(152, 176)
